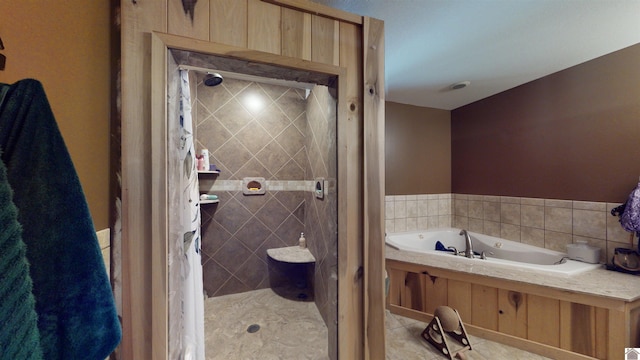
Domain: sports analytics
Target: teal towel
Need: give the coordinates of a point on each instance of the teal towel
(19, 338)
(76, 311)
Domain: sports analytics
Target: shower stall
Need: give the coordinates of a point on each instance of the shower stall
(251, 127)
(339, 282)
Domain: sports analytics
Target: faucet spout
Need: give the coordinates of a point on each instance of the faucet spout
(468, 252)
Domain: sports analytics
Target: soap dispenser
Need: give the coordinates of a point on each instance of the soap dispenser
(302, 241)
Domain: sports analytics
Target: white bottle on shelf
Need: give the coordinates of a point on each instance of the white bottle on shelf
(302, 241)
(205, 155)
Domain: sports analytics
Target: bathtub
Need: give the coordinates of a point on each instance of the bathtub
(498, 252)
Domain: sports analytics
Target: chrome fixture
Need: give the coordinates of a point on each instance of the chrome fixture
(468, 252)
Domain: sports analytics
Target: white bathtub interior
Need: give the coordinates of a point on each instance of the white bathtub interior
(499, 252)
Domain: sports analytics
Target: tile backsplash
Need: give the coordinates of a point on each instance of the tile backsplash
(548, 223)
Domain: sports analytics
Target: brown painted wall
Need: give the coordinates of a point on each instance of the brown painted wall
(417, 150)
(571, 135)
(66, 47)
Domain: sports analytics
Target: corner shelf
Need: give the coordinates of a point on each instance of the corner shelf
(204, 202)
(292, 254)
(208, 172)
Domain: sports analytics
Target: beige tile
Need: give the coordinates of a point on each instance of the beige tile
(389, 226)
(461, 222)
(491, 210)
(432, 207)
(401, 343)
(444, 221)
(106, 256)
(476, 225)
(615, 231)
(288, 329)
(412, 224)
(510, 199)
(532, 236)
(104, 237)
(461, 207)
(590, 223)
(532, 201)
(558, 219)
(510, 232)
(491, 198)
(444, 206)
(475, 209)
(491, 228)
(433, 221)
(390, 321)
(558, 203)
(423, 222)
(510, 213)
(400, 209)
(590, 205)
(557, 241)
(412, 208)
(532, 216)
(400, 224)
(389, 210)
(407, 343)
(423, 207)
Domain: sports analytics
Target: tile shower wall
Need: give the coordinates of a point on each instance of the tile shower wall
(547, 223)
(250, 130)
(321, 214)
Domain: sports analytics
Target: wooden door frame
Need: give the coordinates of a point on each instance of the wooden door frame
(350, 248)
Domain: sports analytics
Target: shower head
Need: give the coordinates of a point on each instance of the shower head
(212, 79)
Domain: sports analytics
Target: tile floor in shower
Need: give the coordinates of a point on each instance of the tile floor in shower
(293, 330)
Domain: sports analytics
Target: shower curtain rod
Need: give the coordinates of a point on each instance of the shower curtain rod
(254, 78)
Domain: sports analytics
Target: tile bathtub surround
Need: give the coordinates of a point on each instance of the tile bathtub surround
(548, 223)
(413, 212)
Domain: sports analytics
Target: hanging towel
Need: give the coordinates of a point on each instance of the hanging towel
(629, 212)
(19, 338)
(76, 311)
(630, 218)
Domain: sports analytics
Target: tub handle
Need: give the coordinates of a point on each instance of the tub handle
(453, 248)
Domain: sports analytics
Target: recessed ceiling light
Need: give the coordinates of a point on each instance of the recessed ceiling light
(460, 85)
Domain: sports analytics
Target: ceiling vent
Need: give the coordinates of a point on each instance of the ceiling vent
(460, 85)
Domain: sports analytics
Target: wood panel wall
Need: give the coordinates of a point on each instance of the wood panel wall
(305, 33)
(550, 322)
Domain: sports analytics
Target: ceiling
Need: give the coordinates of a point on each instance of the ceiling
(495, 44)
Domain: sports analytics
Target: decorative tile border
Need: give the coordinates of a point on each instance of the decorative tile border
(272, 185)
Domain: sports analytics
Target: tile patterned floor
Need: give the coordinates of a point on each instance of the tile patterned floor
(293, 330)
